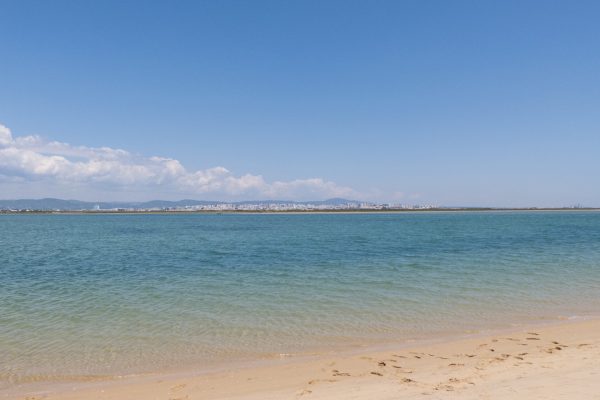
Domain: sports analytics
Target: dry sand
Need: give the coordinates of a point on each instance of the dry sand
(550, 362)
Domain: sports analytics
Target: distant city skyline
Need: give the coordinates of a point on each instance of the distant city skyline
(450, 103)
(335, 204)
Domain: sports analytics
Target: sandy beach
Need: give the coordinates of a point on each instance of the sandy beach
(543, 362)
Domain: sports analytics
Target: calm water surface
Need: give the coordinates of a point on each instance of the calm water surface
(117, 294)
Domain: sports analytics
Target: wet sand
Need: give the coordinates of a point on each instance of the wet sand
(543, 362)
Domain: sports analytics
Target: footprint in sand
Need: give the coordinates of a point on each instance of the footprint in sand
(321, 380)
(338, 373)
(447, 388)
(178, 387)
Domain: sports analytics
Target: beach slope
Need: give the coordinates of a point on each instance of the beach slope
(550, 362)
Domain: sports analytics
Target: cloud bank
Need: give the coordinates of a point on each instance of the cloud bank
(34, 161)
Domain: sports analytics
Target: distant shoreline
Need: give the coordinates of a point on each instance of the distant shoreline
(283, 212)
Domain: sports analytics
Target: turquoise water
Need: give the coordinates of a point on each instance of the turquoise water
(117, 294)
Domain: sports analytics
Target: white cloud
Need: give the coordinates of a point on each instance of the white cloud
(35, 161)
(5, 136)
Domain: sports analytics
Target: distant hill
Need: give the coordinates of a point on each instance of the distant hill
(49, 204)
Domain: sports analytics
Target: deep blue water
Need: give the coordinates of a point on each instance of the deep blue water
(112, 294)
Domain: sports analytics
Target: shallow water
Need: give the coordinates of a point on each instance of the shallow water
(117, 294)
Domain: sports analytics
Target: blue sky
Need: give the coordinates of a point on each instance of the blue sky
(451, 103)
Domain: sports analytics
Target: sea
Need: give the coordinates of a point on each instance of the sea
(85, 296)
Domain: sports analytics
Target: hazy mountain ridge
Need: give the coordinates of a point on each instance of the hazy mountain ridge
(72, 205)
